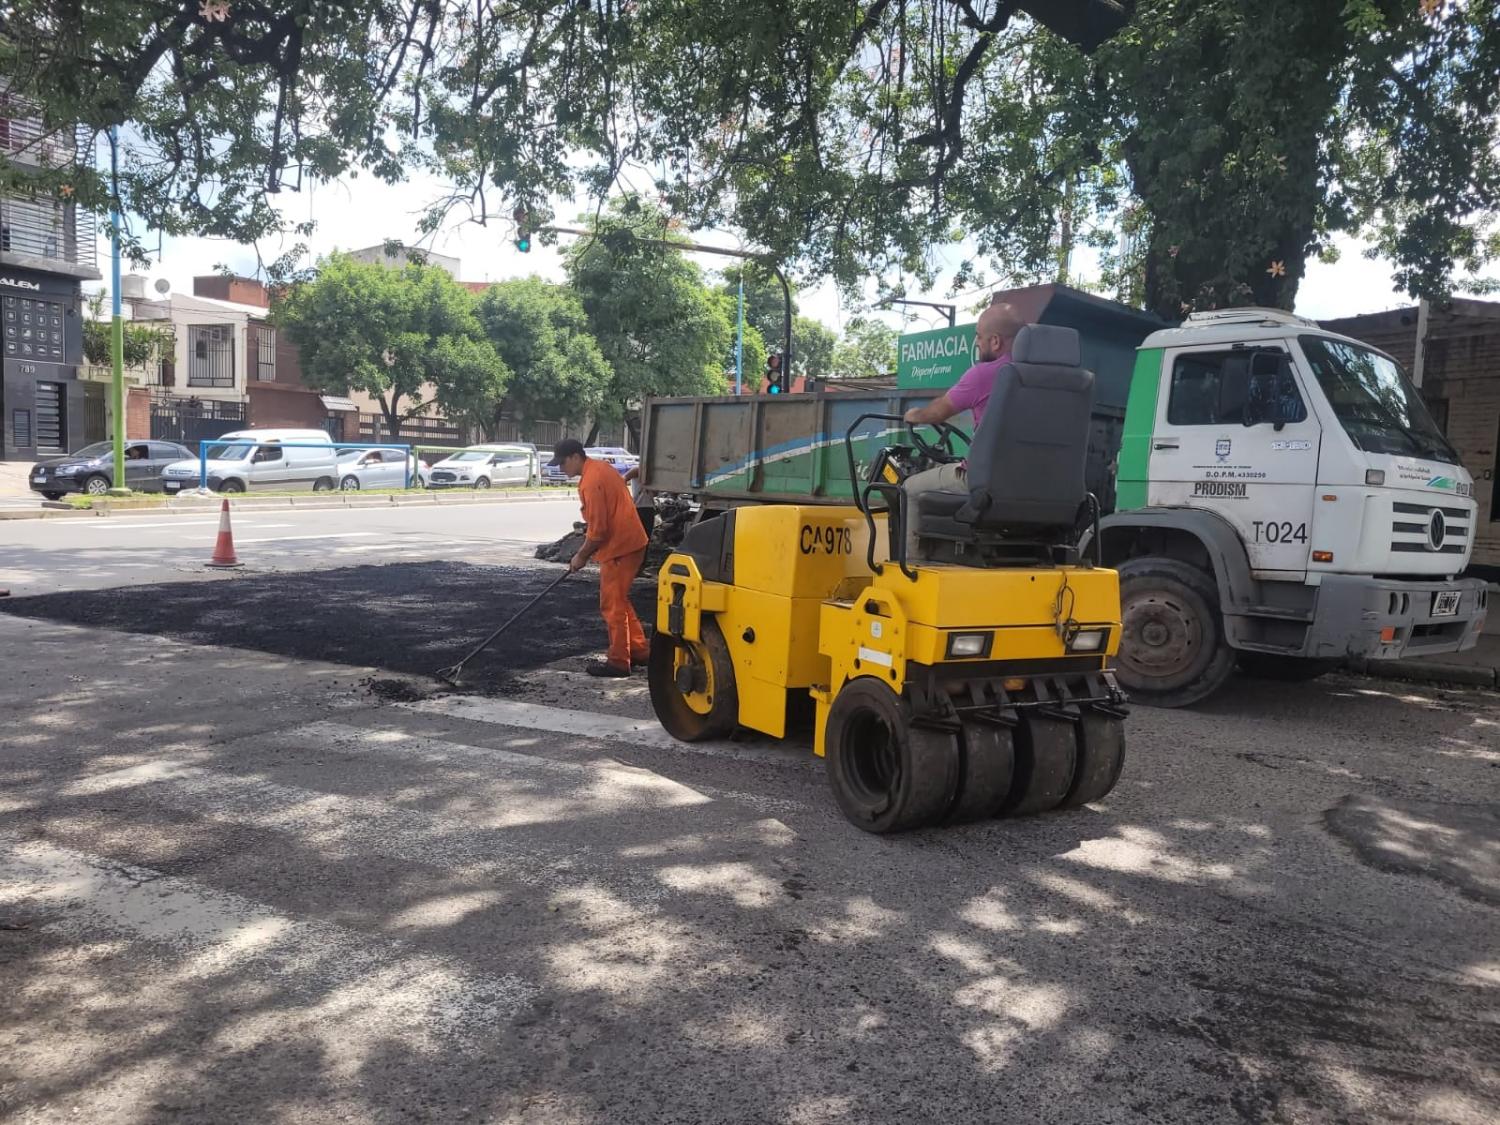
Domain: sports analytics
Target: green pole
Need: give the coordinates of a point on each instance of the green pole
(117, 325)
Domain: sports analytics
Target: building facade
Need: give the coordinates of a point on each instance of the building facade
(47, 250)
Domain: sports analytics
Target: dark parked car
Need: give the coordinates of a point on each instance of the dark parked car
(92, 468)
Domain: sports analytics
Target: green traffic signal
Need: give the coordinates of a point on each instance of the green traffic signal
(523, 244)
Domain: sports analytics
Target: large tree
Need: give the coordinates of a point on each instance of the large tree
(541, 331)
(392, 333)
(229, 102)
(867, 349)
(1226, 140)
(662, 330)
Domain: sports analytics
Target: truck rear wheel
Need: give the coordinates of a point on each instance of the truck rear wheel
(692, 684)
(887, 775)
(1287, 669)
(1046, 762)
(1172, 649)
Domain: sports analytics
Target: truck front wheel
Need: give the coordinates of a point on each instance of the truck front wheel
(1172, 649)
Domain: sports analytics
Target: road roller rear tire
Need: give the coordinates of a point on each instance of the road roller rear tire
(986, 772)
(694, 716)
(887, 775)
(1101, 757)
(1046, 762)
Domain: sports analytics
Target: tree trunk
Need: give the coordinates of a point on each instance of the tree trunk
(392, 418)
(593, 435)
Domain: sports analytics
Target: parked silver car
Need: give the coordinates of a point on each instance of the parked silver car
(488, 466)
(376, 468)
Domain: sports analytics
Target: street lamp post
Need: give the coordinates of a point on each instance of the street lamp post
(698, 248)
(950, 311)
(117, 326)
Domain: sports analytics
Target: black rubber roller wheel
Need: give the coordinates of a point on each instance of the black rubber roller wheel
(701, 702)
(988, 766)
(1101, 757)
(887, 775)
(1046, 761)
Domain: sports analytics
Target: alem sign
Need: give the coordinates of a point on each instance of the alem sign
(934, 359)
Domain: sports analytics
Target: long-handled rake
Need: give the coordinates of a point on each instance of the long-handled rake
(451, 673)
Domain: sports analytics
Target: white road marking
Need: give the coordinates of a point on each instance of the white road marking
(341, 979)
(294, 538)
(442, 752)
(125, 524)
(588, 724)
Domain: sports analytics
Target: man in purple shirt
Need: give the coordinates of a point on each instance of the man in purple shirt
(995, 333)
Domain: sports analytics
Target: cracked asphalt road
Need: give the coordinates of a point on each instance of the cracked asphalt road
(235, 885)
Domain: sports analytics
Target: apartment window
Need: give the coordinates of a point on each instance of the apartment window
(265, 369)
(210, 355)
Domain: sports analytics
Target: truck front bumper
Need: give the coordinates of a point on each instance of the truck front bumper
(1389, 619)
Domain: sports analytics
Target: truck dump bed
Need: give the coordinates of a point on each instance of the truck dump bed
(789, 449)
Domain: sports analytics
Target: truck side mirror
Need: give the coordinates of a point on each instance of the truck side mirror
(1272, 394)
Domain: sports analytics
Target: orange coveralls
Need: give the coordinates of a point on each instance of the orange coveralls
(612, 522)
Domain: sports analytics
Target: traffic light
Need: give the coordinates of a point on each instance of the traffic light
(523, 231)
(776, 374)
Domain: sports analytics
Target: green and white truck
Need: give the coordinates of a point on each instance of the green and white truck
(1278, 498)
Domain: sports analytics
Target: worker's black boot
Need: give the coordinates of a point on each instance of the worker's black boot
(605, 668)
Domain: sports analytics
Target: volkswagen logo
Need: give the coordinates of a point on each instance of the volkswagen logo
(1437, 531)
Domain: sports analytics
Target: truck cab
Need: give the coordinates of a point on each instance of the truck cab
(1284, 499)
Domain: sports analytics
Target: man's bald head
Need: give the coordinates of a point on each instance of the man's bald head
(997, 329)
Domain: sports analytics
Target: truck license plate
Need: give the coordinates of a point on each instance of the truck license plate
(1445, 603)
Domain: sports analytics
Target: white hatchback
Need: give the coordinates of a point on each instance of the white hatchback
(487, 466)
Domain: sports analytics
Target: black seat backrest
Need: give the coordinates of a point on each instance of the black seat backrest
(1026, 462)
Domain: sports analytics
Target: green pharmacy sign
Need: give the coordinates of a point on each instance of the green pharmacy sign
(934, 359)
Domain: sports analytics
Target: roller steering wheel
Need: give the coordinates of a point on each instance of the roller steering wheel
(940, 452)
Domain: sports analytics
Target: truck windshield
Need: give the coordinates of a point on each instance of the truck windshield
(1378, 407)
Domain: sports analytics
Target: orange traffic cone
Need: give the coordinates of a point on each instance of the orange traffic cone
(224, 545)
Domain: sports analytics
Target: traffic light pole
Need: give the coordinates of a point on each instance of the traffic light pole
(761, 259)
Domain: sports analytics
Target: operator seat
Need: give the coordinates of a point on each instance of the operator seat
(1026, 461)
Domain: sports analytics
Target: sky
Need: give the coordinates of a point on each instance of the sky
(356, 213)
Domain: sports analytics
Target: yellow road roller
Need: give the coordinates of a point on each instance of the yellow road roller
(950, 645)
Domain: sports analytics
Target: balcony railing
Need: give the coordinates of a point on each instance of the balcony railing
(43, 230)
(50, 230)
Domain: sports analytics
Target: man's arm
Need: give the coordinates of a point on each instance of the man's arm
(939, 409)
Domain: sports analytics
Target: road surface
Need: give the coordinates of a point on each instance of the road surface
(39, 556)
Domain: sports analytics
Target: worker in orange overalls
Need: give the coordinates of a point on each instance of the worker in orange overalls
(616, 538)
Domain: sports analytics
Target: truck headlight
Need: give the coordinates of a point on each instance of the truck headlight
(1375, 477)
(969, 644)
(1087, 640)
(1464, 489)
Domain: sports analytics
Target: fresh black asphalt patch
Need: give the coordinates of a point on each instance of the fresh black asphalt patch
(406, 617)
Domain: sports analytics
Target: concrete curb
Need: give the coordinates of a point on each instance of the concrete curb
(196, 505)
(1428, 672)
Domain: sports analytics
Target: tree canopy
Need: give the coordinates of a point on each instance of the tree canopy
(395, 334)
(659, 326)
(1207, 147)
(867, 349)
(541, 332)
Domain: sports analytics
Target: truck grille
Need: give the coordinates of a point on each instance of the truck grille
(1430, 529)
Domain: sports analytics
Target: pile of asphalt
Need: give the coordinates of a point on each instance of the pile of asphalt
(406, 617)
